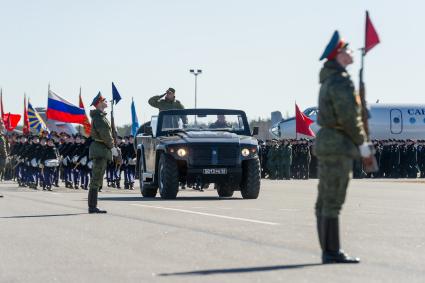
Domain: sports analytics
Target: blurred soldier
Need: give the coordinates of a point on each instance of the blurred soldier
(3, 150)
(83, 163)
(339, 140)
(411, 160)
(421, 158)
(101, 149)
(220, 123)
(305, 158)
(118, 166)
(272, 159)
(285, 160)
(129, 155)
(50, 153)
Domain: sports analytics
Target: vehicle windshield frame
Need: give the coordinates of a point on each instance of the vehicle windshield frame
(182, 112)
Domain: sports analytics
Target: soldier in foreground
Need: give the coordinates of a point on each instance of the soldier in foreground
(101, 149)
(339, 141)
(3, 151)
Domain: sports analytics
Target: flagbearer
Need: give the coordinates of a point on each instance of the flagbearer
(101, 149)
(340, 140)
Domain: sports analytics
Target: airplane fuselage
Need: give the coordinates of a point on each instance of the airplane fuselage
(387, 121)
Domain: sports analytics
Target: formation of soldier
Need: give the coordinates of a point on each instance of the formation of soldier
(287, 159)
(48, 160)
(293, 159)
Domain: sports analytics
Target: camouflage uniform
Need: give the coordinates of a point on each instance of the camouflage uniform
(337, 144)
(162, 104)
(99, 152)
(285, 161)
(339, 137)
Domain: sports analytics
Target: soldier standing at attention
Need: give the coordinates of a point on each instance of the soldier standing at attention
(3, 151)
(101, 149)
(340, 140)
(169, 102)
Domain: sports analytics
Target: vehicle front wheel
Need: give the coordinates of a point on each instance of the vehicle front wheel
(168, 177)
(147, 190)
(251, 178)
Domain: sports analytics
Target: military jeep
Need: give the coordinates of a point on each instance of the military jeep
(197, 147)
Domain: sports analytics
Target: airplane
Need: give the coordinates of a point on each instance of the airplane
(387, 121)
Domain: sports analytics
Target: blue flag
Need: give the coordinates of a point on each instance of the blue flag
(134, 120)
(116, 97)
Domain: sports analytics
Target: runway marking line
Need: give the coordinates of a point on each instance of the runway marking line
(207, 214)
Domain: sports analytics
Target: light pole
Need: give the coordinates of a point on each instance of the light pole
(196, 73)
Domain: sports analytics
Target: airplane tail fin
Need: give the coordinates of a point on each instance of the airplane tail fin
(276, 116)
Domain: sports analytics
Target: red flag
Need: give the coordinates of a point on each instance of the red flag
(11, 121)
(303, 123)
(26, 128)
(372, 38)
(86, 123)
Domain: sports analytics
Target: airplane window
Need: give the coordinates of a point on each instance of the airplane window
(396, 120)
(412, 120)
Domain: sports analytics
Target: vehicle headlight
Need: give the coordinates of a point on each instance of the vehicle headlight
(245, 152)
(181, 152)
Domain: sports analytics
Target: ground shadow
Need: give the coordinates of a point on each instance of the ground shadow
(43, 215)
(194, 198)
(241, 270)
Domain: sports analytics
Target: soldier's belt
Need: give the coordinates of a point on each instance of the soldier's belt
(101, 141)
(339, 128)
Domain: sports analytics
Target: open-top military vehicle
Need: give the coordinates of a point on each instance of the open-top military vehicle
(197, 147)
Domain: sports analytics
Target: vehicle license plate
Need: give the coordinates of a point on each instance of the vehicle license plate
(215, 171)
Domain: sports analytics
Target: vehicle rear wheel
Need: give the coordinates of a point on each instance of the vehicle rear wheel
(251, 178)
(224, 190)
(168, 177)
(147, 190)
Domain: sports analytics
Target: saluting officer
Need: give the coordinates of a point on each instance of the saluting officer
(169, 102)
(101, 149)
(340, 140)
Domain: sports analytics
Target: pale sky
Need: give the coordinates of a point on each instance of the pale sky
(258, 56)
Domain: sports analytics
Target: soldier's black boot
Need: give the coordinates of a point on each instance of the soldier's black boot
(331, 247)
(92, 202)
(319, 230)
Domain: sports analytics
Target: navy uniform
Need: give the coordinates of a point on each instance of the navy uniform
(77, 153)
(84, 163)
(50, 152)
(129, 155)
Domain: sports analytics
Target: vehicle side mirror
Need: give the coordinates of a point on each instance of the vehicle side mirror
(255, 131)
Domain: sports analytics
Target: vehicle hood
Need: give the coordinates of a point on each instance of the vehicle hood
(210, 137)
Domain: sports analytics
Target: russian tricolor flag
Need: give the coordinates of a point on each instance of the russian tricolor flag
(60, 109)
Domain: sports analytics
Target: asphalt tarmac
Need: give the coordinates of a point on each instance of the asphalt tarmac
(49, 237)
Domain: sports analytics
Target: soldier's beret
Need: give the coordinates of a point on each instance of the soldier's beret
(98, 98)
(334, 46)
(171, 90)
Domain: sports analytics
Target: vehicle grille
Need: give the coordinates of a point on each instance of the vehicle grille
(214, 154)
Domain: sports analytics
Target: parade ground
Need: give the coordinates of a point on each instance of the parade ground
(49, 237)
